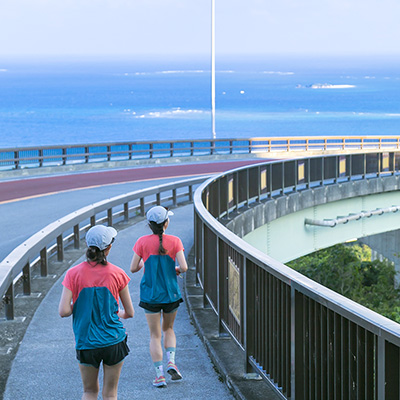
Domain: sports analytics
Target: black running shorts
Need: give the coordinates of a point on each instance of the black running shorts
(110, 355)
(156, 308)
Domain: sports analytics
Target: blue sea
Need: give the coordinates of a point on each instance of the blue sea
(74, 101)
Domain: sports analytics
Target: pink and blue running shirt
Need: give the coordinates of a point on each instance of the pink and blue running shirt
(95, 295)
(159, 284)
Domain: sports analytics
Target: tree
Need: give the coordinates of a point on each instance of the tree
(348, 270)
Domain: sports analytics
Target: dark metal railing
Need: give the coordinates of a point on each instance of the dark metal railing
(53, 239)
(36, 157)
(308, 341)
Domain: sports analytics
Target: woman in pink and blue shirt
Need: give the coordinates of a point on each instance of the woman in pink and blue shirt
(91, 293)
(160, 295)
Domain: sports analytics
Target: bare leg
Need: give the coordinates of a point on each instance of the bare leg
(90, 382)
(156, 352)
(110, 381)
(168, 329)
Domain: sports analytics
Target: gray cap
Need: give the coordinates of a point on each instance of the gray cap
(158, 214)
(100, 236)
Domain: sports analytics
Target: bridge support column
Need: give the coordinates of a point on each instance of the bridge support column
(386, 245)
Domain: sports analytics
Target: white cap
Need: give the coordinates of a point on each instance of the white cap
(158, 214)
(100, 236)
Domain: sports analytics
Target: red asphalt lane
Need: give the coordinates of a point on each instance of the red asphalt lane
(31, 187)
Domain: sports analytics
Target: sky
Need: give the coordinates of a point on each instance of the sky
(172, 27)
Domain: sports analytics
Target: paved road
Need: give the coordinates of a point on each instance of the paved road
(32, 187)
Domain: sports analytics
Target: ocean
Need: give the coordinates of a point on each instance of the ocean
(75, 101)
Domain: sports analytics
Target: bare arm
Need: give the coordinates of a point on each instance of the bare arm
(180, 257)
(65, 306)
(128, 311)
(136, 263)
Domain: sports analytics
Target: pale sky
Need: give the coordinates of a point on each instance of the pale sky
(160, 27)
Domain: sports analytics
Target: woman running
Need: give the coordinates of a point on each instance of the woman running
(160, 295)
(91, 293)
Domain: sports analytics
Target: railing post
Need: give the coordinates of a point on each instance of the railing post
(43, 262)
(297, 343)
(26, 279)
(247, 187)
(86, 155)
(191, 148)
(220, 288)
(109, 217)
(93, 220)
(248, 317)
(151, 150)
(380, 373)
(203, 263)
(76, 237)
(158, 199)
(230, 146)
(142, 212)
(174, 197)
(108, 153)
(130, 151)
(64, 156)
(190, 193)
(365, 166)
(9, 302)
(126, 212)
(16, 159)
(60, 248)
(40, 158)
(171, 147)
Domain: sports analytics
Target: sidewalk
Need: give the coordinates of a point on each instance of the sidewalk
(45, 367)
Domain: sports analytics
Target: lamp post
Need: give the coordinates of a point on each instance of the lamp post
(213, 68)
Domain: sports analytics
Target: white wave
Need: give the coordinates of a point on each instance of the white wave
(176, 112)
(198, 71)
(138, 73)
(330, 86)
(278, 73)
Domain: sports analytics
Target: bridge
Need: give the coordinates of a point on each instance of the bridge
(302, 339)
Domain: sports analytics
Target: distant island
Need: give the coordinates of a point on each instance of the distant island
(326, 86)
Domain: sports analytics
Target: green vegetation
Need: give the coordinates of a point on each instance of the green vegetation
(349, 271)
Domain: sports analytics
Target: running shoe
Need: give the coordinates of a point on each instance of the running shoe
(159, 382)
(173, 370)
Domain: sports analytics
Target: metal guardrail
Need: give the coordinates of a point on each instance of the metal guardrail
(308, 341)
(53, 239)
(36, 157)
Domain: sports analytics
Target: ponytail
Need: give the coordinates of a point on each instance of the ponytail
(158, 229)
(93, 253)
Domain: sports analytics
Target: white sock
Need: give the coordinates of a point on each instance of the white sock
(159, 368)
(171, 354)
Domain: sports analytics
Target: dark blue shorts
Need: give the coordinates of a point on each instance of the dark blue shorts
(110, 355)
(164, 307)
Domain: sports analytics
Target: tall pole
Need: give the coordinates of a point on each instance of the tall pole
(214, 135)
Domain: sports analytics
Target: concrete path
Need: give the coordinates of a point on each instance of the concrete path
(47, 351)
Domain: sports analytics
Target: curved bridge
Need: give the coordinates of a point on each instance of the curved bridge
(306, 340)
(360, 213)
